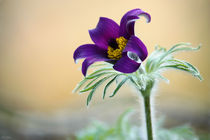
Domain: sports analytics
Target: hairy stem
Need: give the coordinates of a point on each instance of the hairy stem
(146, 94)
(148, 117)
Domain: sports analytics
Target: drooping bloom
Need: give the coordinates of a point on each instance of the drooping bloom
(116, 44)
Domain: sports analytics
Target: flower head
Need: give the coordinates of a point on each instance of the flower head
(115, 44)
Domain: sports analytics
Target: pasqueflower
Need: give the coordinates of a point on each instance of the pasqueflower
(116, 44)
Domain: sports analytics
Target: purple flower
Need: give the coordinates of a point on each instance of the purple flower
(115, 44)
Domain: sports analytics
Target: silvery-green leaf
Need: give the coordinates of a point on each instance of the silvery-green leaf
(97, 83)
(153, 58)
(94, 87)
(182, 65)
(98, 75)
(91, 82)
(159, 76)
(79, 85)
(125, 130)
(101, 70)
(123, 127)
(119, 86)
(160, 55)
(173, 49)
(108, 84)
(134, 82)
(91, 76)
(142, 81)
(104, 64)
(183, 47)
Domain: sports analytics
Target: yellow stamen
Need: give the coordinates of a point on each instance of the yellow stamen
(116, 54)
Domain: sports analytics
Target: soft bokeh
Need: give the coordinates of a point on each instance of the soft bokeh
(38, 74)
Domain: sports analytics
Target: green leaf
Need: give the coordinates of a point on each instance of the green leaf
(183, 47)
(108, 84)
(184, 66)
(160, 55)
(92, 81)
(119, 86)
(98, 75)
(141, 81)
(174, 49)
(177, 48)
(80, 85)
(161, 77)
(134, 81)
(185, 132)
(122, 126)
(97, 83)
(152, 59)
(95, 87)
(100, 65)
(197, 73)
(124, 130)
(100, 70)
(179, 45)
(91, 76)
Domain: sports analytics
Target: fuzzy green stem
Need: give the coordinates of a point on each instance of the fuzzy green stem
(148, 117)
(146, 94)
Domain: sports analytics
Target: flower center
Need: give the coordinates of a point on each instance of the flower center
(115, 48)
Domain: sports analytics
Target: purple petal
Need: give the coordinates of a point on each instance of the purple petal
(89, 61)
(136, 46)
(89, 50)
(105, 30)
(126, 65)
(128, 21)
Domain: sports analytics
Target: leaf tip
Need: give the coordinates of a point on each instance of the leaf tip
(199, 77)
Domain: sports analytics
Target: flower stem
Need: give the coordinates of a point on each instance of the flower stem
(146, 94)
(147, 109)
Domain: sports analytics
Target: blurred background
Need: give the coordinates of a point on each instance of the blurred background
(38, 74)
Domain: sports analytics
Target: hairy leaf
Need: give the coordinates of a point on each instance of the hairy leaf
(79, 85)
(119, 86)
(94, 87)
(98, 75)
(184, 66)
(123, 129)
(97, 83)
(108, 84)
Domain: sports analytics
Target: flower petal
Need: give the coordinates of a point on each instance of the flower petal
(128, 21)
(105, 30)
(136, 46)
(126, 65)
(89, 61)
(89, 50)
